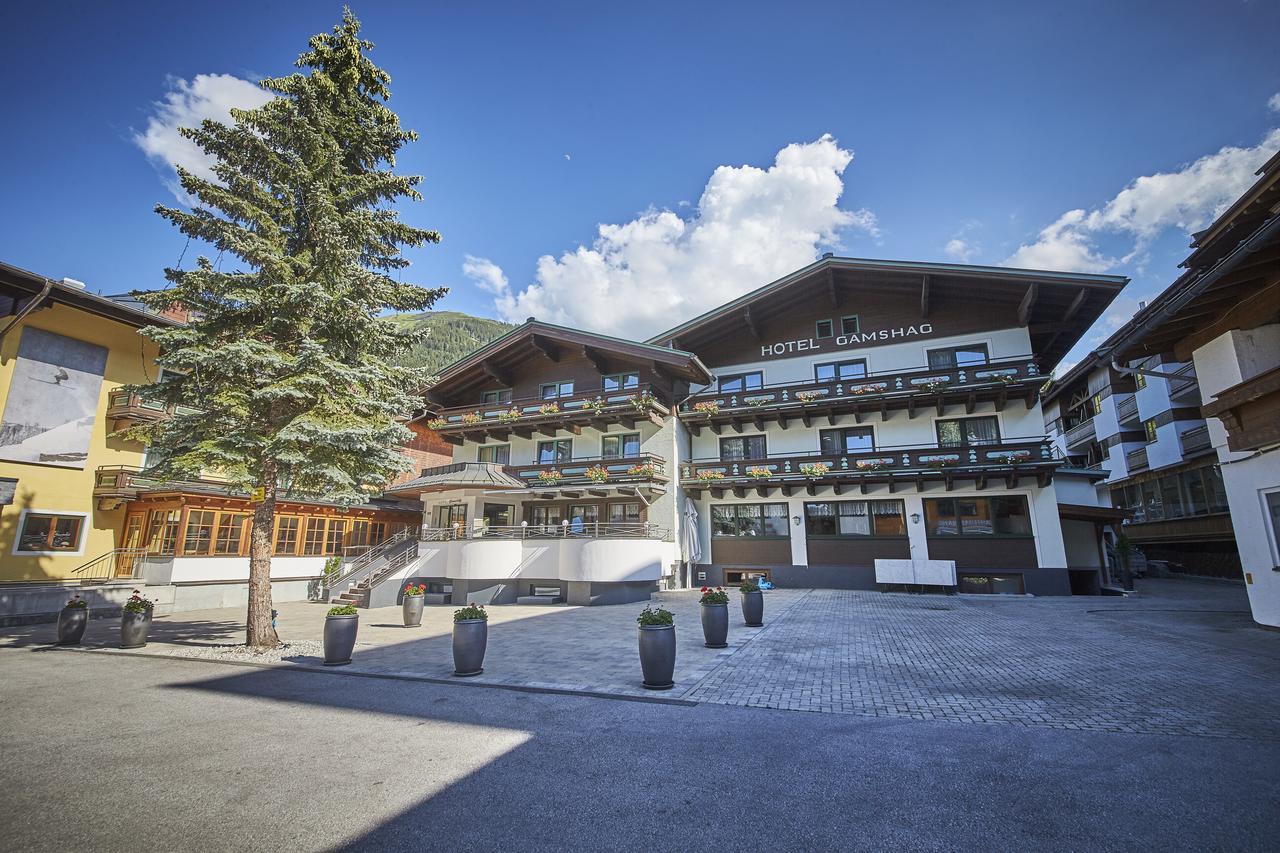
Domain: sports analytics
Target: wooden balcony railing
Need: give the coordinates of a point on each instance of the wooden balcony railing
(126, 482)
(1007, 458)
(1184, 383)
(593, 471)
(998, 381)
(1126, 408)
(124, 408)
(572, 412)
(1081, 432)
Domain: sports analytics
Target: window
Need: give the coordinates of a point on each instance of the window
(334, 539)
(546, 517)
(849, 325)
(764, 521)
(742, 382)
(963, 432)
(1149, 429)
(230, 533)
(1140, 380)
(287, 535)
(551, 452)
(743, 447)
(499, 453)
(313, 542)
(359, 534)
(850, 440)
(552, 390)
(823, 329)
(855, 518)
(584, 514)
(840, 370)
(1002, 516)
(497, 515)
(628, 513)
(621, 381)
(43, 532)
(623, 446)
(1096, 408)
(378, 532)
(162, 532)
(493, 398)
(1271, 501)
(198, 537)
(958, 356)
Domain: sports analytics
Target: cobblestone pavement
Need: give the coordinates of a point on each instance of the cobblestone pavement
(1163, 664)
(1183, 658)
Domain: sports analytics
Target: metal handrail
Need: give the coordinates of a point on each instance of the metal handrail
(107, 566)
(561, 530)
(349, 568)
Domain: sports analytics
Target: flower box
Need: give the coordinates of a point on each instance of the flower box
(807, 396)
(437, 423)
(644, 469)
(706, 407)
(817, 469)
(759, 472)
(471, 418)
(709, 475)
(644, 402)
(597, 473)
(512, 414)
(550, 477)
(549, 409)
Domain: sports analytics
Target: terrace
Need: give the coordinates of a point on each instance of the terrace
(1006, 460)
(915, 390)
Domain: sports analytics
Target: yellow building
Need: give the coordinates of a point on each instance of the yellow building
(63, 352)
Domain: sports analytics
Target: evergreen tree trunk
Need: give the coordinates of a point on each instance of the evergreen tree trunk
(260, 633)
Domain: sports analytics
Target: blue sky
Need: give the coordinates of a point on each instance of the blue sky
(977, 123)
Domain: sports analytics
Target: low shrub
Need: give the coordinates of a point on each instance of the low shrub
(749, 585)
(344, 610)
(661, 616)
(471, 611)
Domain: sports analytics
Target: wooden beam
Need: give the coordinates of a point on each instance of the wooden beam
(751, 323)
(596, 359)
(981, 482)
(1248, 313)
(809, 489)
(762, 491)
(545, 347)
(831, 418)
(576, 429)
(496, 372)
(1002, 399)
(911, 408)
(862, 485)
(739, 492)
(805, 419)
(884, 411)
(1028, 303)
(695, 429)
(857, 414)
(783, 422)
(549, 430)
(1044, 478)
(715, 428)
(1031, 397)
(597, 493)
(717, 493)
(941, 405)
(758, 422)
(500, 434)
(737, 425)
(947, 480)
(924, 298)
(970, 403)
(522, 432)
(1075, 305)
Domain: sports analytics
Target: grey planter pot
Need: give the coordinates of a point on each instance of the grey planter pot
(470, 637)
(71, 624)
(753, 608)
(134, 628)
(413, 610)
(715, 625)
(339, 639)
(658, 656)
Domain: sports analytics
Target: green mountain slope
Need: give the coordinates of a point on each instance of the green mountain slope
(451, 335)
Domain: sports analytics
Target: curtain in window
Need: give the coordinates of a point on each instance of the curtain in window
(854, 520)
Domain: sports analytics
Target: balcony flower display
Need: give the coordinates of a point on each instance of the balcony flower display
(759, 472)
(512, 414)
(644, 402)
(1011, 457)
(936, 385)
(869, 464)
(550, 477)
(597, 473)
(709, 475)
(939, 461)
(437, 423)
(597, 405)
(807, 396)
(872, 388)
(472, 418)
(549, 408)
(706, 407)
(756, 401)
(644, 469)
(1008, 378)
(816, 469)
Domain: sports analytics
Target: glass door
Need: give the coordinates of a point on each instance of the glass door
(452, 517)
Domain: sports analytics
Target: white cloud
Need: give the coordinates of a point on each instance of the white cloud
(186, 104)
(1274, 103)
(486, 274)
(960, 249)
(751, 225)
(1187, 199)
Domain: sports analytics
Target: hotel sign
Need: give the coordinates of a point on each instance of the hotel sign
(782, 348)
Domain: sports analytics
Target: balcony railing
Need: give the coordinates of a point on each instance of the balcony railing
(1194, 440)
(127, 481)
(1081, 433)
(590, 471)
(1184, 382)
(130, 407)
(563, 530)
(1136, 460)
(972, 461)
(572, 411)
(1126, 407)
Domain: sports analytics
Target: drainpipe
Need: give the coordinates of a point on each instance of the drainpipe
(31, 306)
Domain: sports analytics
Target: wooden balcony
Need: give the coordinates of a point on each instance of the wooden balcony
(1184, 386)
(915, 390)
(1006, 461)
(1126, 408)
(595, 475)
(1136, 460)
(1082, 433)
(524, 417)
(114, 485)
(124, 409)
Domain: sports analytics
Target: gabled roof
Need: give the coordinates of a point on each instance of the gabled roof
(24, 284)
(1064, 305)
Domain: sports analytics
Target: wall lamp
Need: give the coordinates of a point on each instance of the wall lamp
(915, 518)
(795, 519)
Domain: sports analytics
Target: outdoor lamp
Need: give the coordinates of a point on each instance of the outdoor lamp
(915, 518)
(795, 519)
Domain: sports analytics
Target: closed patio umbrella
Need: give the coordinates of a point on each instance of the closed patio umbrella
(689, 538)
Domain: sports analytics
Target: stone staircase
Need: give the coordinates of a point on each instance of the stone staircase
(375, 567)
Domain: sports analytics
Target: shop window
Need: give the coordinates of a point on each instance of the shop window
(49, 532)
(335, 537)
(198, 537)
(498, 515)
(855, 518)
(998, 516)
(990, 584)
(763, 521)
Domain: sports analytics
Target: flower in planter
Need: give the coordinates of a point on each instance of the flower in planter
(512, 414)
(759, 472)
(471, 611)
(1008, 378)
(344, 610)
(549, 408)
(597, 405)
(644, 469)
(706, 407)
(873, 388)
(1012, 457)
(471, 418)
(749, 585)
(714, 596)
(597, 473)
(550, 476)
(437, 423)
(415, 589)
(644, 401)
(939, 462)
(936, 385)
(869, 464)
(756, 401)
(807, 396)
(661, 616)
(710, 475)
(77, 603)
(138, 604)
(817, 469)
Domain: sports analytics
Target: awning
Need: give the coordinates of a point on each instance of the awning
(1084, 512)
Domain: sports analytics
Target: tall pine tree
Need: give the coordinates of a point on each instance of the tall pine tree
(285, 371)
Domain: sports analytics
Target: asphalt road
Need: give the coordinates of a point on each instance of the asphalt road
(107, 752)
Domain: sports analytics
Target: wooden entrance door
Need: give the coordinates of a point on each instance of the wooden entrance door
(130, 543)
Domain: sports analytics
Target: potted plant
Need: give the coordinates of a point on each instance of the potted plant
(470, 637)
(413, 601)
(752, 603)
(512, 414)
(707, 407)
(807, 396)
(645, 470)
(549, 408)
(708, 474)
(815, 470)
(437, 423)
(135, 621)
(72, 621)
(597, 473)
(759, 472)
(549, 477)
(472, 418)
(715, 617)
(657, 647)
(644, 402)
(340, 634)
